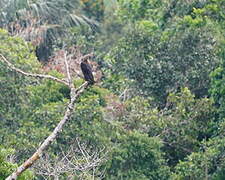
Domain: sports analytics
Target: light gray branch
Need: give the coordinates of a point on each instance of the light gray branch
(78, 160)
(42, 76)
(74, 94)
(67, 70)
(51, 137)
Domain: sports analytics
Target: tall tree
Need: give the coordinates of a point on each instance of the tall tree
(42, 22)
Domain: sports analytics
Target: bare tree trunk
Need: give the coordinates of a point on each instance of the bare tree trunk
(74, 94)
(50, 138)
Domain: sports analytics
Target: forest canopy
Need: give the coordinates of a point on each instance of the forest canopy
(156, 110)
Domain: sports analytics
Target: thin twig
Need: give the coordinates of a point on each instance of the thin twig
(72, 161)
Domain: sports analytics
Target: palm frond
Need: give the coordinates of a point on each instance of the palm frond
(48, 11)
(42, 21)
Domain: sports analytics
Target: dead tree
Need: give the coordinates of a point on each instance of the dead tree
(74, 94)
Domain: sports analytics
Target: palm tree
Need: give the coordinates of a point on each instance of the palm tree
(41, 21)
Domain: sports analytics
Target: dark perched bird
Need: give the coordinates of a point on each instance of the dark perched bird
(87, 71)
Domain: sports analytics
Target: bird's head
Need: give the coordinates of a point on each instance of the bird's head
(85, 60)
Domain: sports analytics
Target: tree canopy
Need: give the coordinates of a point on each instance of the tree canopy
(156, 110)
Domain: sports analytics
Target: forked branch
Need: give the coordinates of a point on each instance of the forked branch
(42, 76)
(74, 94)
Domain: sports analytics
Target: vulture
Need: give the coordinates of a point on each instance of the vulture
(87, 71)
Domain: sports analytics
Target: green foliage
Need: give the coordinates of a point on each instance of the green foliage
(94, 8)
(133, 10)
(182, 126)
(158, 68)
(88, 121)
(26, 103)
(12, 85)
(82, 37)
(160, 54)
(47, 21)
(137, 156)
(186, 124)
(207, 163)
(6, 167)
(152, 112)
(217, 90)
(18, 52)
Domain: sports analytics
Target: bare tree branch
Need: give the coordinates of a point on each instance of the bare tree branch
(74, 94)
(80, 159)
(67, 70)
(42, 76)
(51, 137)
